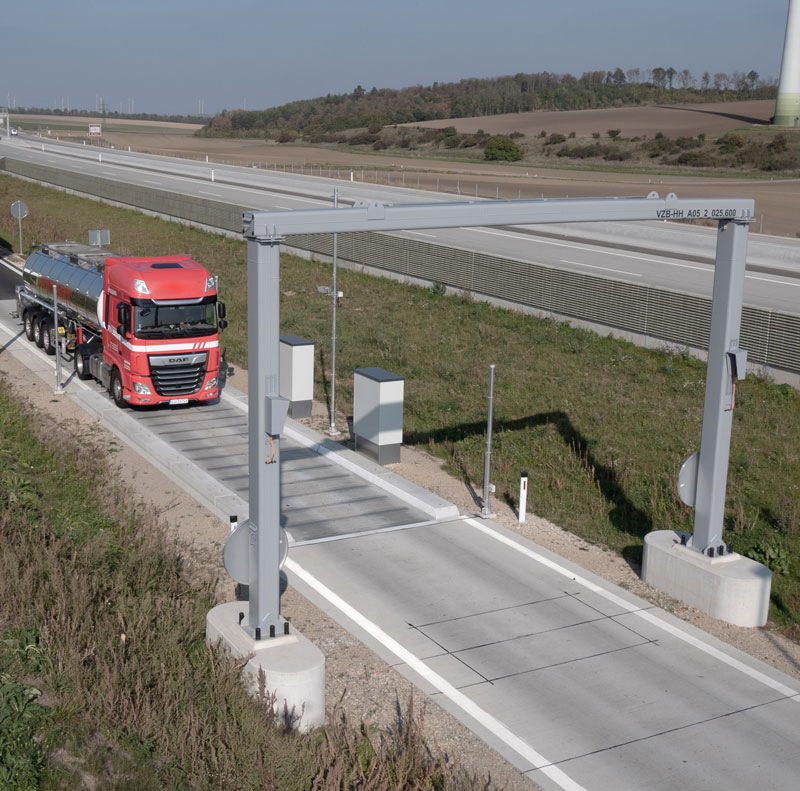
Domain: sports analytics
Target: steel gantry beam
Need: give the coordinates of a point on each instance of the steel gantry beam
(264, 230)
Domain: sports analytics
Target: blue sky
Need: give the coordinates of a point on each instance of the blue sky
(175, 56)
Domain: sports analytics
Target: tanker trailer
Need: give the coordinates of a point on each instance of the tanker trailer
(146, 328)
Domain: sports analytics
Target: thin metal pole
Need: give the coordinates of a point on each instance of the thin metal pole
(20, 233)
(58, 345)
(332, 430)
(486, 510)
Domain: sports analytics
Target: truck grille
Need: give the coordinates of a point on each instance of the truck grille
(178, 375)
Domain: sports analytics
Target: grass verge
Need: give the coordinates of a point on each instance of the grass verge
(600, 425)
(100, 612)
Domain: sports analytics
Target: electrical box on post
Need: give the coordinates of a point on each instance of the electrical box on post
(276, 409)
(738, 363)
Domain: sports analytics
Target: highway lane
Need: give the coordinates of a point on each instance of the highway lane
(775, 284)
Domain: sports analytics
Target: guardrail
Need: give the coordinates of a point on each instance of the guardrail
(772, 338)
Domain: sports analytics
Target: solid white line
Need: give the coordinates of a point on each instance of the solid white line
(147, 181)
(767, 280)
(603, 268)
(646, 615)
(588, 247)
(418, 233)
(468, 706)
(213, 194)
(12, 268)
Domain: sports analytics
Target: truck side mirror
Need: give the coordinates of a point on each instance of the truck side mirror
(222, 324)
(221, 310)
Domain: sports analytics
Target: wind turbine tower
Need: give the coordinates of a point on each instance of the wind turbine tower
(787, 107)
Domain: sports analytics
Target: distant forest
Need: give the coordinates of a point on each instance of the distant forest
(112, 114)
(493, 96)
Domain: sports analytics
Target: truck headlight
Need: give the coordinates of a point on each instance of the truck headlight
(141, 389)
(211, 383)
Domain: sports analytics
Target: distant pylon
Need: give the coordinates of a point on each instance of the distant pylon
(787, 107)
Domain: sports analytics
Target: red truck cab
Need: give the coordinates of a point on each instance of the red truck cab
(160, 323)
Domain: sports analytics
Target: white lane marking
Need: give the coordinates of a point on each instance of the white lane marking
(374, 532)
(419, 233)
(646, 615)
(661, 261)
(603, 268)
(468, 706)
(213, 194)
(589, 248)
(147, 181)
(12, 268)
(287, 197)
(767, 280)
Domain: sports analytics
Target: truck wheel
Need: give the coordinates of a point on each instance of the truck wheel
(29, 320)
(116, 389)
(38, 333)
(47, 339)
(81, 368)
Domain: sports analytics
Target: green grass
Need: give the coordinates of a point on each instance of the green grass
(101, 613)
(600, 425)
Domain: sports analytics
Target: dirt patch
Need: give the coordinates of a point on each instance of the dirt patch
(672, 120)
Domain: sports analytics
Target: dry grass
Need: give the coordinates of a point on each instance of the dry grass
(103, 613)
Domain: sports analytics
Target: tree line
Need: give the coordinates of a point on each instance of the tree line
(490, 96)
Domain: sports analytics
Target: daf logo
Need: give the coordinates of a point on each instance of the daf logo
(195, 358)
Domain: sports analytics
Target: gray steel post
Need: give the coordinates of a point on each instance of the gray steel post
(487, 458)
(726, 316)
(263, 339)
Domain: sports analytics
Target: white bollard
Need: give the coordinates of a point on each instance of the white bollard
(212, 175)
(523, 495)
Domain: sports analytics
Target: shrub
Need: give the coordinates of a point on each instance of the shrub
(685, 143)
(730, 143)
(554, 139)
(286, 137)
(697, 159)
(596, 135)
(502, 148)
(582, 152)
(613, 133)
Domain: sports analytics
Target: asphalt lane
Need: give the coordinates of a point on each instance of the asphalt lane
(260, 189)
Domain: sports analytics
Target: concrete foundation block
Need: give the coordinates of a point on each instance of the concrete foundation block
(732, 588)
(293, 667)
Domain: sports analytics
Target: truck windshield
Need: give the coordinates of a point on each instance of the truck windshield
(174, 321)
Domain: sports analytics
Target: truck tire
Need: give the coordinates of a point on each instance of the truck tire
(48, 344)
(81, 366)
(117, 390)
(29, 320)
(38, 332)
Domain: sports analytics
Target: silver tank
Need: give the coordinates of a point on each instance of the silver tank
(76, 269)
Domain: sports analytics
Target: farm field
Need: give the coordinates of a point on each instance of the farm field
(775, 197)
